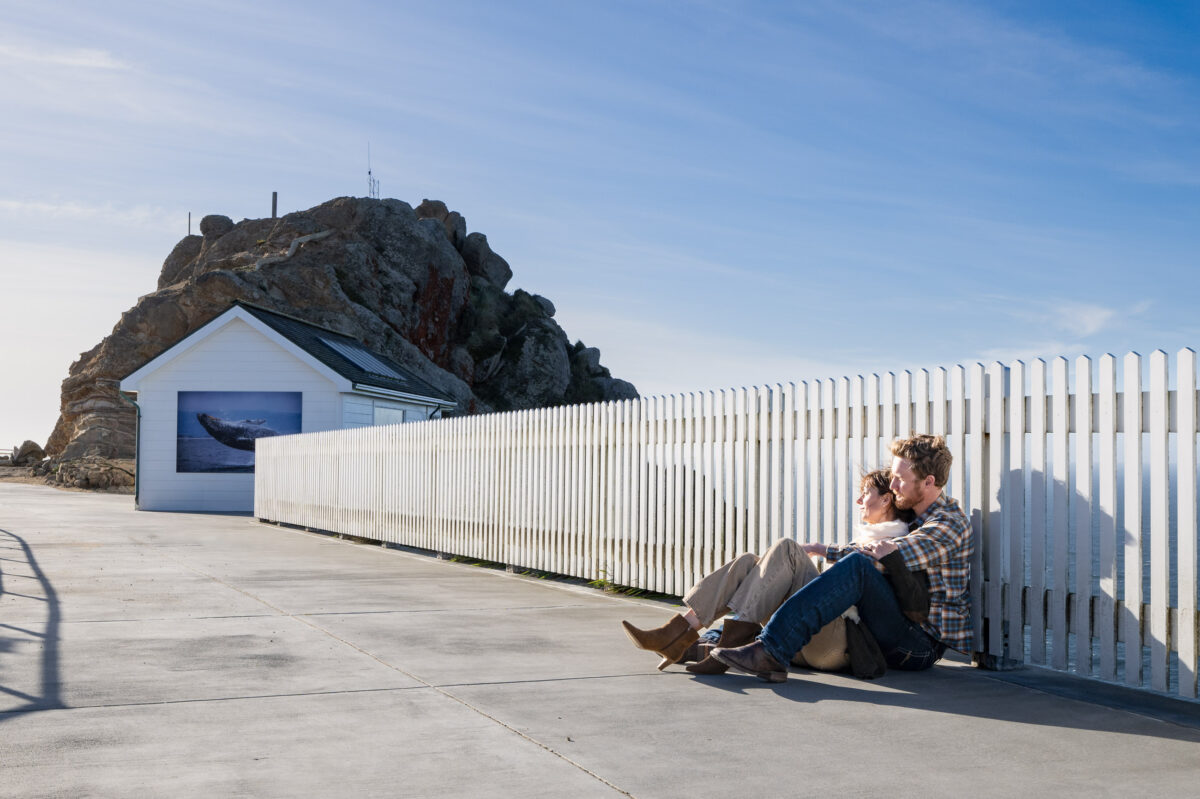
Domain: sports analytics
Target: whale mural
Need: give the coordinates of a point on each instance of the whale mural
(218, 429)
(239, 435)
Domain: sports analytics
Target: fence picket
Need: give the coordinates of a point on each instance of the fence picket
(761, 477)
(776, 493)
(1106, 508)
(1015, 495)
(1060, 434)
(1131, 616)
(1037, 511)
(1186, 528)
(841, 457)
(829, 530)
(871, 454)
(1082, 609)
(974, 503)
(993, 509)
(1160, 510)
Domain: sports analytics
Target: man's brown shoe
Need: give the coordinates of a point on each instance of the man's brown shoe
(752, 659)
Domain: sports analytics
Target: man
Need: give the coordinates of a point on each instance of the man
(940, 542)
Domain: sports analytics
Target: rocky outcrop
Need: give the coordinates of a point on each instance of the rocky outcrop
(412, 283)
(28, 454)
(90, 472)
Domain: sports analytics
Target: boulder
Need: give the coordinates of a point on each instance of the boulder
(483, 262)
(588, 360)
(214, 226)
(28, 454)
(536, 368)
(432, 209)
(180, 258)
(547, 306)
(453, 223)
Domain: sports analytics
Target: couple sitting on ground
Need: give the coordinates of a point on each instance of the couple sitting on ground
(784, 611)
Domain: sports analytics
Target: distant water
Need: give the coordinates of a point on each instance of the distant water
(209, 455)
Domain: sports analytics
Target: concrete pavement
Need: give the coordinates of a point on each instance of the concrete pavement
(152, 654)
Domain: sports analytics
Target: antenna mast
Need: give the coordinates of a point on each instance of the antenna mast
(372, 183)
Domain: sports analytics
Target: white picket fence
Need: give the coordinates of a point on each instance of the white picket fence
(1087, 544)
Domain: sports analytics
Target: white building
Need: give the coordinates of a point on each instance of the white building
(251, 373)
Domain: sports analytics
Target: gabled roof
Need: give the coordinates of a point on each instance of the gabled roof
(345, 355)
(344, 360)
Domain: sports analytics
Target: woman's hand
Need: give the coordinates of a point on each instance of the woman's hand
(881, 549)
(820, 550)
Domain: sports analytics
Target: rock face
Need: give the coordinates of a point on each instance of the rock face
(91, 472)
(410, 283)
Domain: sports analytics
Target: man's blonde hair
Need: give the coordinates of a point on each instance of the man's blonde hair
(927, 454)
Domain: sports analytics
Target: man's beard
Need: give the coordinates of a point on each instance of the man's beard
(905, 502)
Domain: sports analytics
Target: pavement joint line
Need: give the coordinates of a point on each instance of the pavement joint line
(411, 675)
(146, 619)
(424, 686)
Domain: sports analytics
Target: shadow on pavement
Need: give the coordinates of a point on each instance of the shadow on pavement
(15, 640)
(970, 693)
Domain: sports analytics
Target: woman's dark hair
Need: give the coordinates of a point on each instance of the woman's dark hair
(881, 481)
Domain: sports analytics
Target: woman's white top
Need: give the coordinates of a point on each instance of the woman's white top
(870, 533)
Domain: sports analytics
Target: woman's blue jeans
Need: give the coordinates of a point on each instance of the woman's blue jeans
(852, 580)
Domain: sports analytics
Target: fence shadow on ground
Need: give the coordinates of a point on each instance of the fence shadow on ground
(965, 693)
(19, 634)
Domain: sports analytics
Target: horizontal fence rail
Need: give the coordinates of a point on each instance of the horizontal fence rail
(1087, 541)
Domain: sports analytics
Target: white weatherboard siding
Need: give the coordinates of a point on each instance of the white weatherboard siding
(235, 358)
(360, 411)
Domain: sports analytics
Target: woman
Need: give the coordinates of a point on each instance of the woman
(752, 589)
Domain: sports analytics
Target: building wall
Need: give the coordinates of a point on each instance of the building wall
(360, 411)
(235, 358)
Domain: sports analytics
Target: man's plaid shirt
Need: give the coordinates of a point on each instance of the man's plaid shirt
(941, 542)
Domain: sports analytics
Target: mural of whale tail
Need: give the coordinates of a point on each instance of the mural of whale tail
(237, 434)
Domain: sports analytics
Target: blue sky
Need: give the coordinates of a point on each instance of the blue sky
(715, 194)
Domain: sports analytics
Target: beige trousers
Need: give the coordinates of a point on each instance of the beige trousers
(754, 588)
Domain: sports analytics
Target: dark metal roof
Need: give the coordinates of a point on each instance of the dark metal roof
(308, 337)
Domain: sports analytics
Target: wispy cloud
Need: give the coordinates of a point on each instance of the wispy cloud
(136, 217)
(1067, 317)
(81, 58)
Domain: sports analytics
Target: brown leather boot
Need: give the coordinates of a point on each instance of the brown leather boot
(671, 640)
(697, 651)
(733, 633)
(753, 659)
